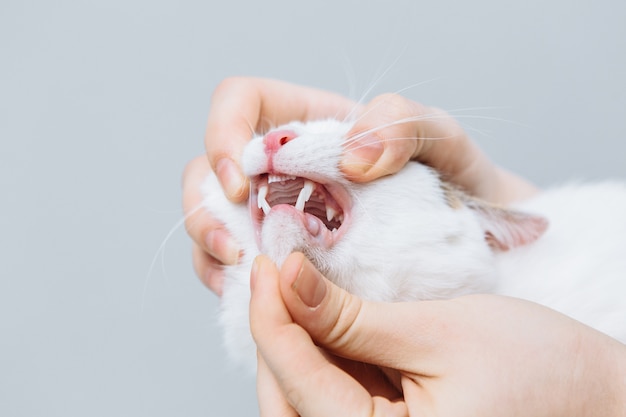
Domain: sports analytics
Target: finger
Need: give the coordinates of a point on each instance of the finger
(242, 106)
(208, 233)
(272, 401)
(393, 129)
(312, 386)
(209, 270)
(391, 335)
(401, 129)
(378, 144)
(444, 145)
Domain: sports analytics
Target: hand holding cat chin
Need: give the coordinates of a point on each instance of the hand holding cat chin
(476, 355)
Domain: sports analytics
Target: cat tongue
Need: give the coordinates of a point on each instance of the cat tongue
(286, 229)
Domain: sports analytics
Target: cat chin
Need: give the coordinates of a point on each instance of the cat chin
(286, 230)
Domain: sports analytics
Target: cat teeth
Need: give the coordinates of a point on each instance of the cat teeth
(279, 178)
(330, 213)
(305, 194)
(261, 201)
(261, 196)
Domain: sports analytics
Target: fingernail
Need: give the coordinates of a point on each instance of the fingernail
(220, 243)
(231, 178)
(362, 154)
(310, 286)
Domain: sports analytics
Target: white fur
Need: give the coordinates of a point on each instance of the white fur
(405, 242)
(579, 266)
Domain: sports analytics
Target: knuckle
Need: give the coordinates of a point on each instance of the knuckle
(401, 152)
(192, 226)
(198, 223)
(396, 105)
(228, 85)
(193, 168)
(342, 330)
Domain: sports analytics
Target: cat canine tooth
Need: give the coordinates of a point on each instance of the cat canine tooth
(261, 201)
(266, 207)
(305, 194)
(261, 196)
(330, 213)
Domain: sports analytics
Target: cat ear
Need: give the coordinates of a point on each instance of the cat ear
(506, 229)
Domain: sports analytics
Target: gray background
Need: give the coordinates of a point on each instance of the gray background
(102, 104)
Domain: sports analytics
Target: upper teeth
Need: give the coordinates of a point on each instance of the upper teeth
(261, 201)
(278, 178)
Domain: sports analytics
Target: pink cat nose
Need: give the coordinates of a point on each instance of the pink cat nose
(278, 138)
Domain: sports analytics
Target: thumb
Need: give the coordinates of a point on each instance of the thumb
(392, 130)
(384, 334)
(310, 383)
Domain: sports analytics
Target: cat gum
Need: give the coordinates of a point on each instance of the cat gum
(322, 210)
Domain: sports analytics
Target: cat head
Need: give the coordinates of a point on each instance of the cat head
(299, 199)
(409, 235)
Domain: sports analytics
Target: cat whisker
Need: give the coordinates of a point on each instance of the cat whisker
(397, 92)
(376, 81)
(161, 252)
(265, 125)
(353, 146)
(424, 117)
(430, 116)
(350, 75)
(252, 131)
(490, 118)
(366, 209)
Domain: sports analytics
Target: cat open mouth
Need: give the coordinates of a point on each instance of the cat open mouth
(323, 207)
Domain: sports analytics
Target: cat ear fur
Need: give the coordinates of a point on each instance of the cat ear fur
(507, 229)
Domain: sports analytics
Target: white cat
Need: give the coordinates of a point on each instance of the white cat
(411, 236)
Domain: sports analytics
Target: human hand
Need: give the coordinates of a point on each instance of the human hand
(240, 106)
(481, 355)
(394, 130)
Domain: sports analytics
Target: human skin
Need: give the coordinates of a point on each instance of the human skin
(240, 106)
(323, 352)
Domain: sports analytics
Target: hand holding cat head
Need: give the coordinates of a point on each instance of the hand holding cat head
(391, 131)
